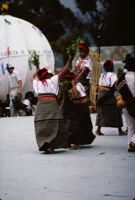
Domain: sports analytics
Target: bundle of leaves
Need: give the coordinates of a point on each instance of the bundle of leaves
(35, 59)
(64, 85)
(120, 72)
(73, 48)
(17, 103)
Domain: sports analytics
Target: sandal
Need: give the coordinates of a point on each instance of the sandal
(74, 147)
(131, 144)
(131, 147)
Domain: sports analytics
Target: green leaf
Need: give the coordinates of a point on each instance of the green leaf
(101, 153)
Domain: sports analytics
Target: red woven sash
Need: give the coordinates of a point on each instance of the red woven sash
(46, 98)
(80, 100)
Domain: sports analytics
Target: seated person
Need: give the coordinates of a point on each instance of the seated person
(28, 102)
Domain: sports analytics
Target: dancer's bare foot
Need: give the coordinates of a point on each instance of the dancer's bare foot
(121, 133)
(49, 151)
(131, 147)
(99, 133)
(74, 147)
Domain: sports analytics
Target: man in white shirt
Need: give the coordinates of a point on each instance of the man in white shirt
(15, 88)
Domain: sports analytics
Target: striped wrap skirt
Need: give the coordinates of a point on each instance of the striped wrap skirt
(49, 123)
(78, 122)
(108, 114)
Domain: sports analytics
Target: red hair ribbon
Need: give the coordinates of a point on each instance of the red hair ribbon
(82, 47)
(43, 73)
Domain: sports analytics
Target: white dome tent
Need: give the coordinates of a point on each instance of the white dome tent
(18, 39)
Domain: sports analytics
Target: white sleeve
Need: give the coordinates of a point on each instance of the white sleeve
(91, 64)
(80, 89)
(100, 80)
(55, 79)
(27, 103)
(18, 77)
(113, 79)
(77, 62)
(88, 64)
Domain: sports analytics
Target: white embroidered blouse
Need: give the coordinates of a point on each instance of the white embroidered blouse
(81, 90)
(107, 79)
(85, 62)
(50, 86)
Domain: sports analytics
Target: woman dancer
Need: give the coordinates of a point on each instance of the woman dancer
(108, 115)
(48, 117)
(83, 68)
(77, 121)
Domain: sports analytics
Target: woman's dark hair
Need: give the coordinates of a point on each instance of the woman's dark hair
(108, 66)
(29, 94)
(130, 64)
(42, 73)
(34, 101)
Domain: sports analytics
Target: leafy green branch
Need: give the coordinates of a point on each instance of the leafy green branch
(35, 59)
(73, 48)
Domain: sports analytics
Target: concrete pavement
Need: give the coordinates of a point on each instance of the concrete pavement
(103, 170)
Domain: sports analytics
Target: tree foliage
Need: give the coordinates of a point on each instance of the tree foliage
(110, 22)
(51, 17)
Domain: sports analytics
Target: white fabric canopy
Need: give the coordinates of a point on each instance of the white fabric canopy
(18, 39)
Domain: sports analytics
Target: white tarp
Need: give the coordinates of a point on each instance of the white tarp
(18, 39)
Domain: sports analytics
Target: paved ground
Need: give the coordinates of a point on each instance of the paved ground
(103, 170)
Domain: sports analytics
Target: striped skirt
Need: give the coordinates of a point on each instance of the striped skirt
(78, 122)
(49, 124)
(108, 115)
